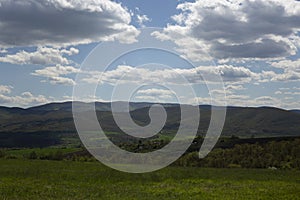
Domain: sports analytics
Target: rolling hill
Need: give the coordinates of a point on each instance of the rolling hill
(52, 124)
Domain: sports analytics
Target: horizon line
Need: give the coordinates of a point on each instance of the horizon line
(145, 102)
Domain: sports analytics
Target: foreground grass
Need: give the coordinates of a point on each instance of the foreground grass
(25, 179)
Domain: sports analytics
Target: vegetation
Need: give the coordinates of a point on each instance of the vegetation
(41, 157)
(276, 153)
(272, 154)
(40, 179)
(53, 124)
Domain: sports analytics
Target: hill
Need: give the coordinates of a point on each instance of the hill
(52, 124)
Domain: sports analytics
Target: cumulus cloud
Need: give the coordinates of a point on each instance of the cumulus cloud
(63, 23)
(129, 74)
(57, 74)
(42, 56)
(236, 29)
(5, 89)
(59, 80)
(154, 94)
(292, 65)
(25, 99)
(231, 73)
(286, 76)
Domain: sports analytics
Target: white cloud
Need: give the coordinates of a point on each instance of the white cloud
(231, 73)
(292, 88)
(129, 74)
(236, 29)
(5, 89)
(287, 77)
(229, 90)
(237, 97)
(247, 101)
(264, 98)
(200, 101)
(56, 71)
(61, 81)
(154, 94)
(208, 101)
(63, 23)
(142, 19)
(2, 51)
(235, 87)
(292, 93)
(42, 56)
(25, 99)
(27, 94)
(287, 65)
(57, 74)
(266, 101)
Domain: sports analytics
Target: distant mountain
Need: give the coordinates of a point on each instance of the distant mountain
(100, 106)
(295, 111)
(53, 123)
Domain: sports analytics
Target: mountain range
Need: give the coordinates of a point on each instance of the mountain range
(53, 124)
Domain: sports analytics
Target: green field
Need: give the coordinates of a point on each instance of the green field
(38, 179)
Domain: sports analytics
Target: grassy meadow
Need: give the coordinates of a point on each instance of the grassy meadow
(44, 179)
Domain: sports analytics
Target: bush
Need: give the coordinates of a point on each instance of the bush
(2, 153)
(58, 155)
(33, 155)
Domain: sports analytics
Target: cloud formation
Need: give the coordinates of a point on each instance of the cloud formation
(5, 89)
(128, 74)
(236, 29)
(142, 19)
(25, 99)
(154, 94)
(42, 56)
(292, 65)
(63, 23)
(56, 75)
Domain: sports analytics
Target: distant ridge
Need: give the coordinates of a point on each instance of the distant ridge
(295, 111)
(55, 120)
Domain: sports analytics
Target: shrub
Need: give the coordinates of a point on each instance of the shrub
(33, 155)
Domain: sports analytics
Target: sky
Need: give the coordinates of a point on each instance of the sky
(50, 47)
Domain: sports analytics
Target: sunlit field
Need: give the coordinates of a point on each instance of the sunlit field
(41, 179)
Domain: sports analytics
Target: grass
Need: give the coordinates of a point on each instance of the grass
(20, 153)
(26, 179)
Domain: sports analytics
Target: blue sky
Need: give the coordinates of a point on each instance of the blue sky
(253, 45)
